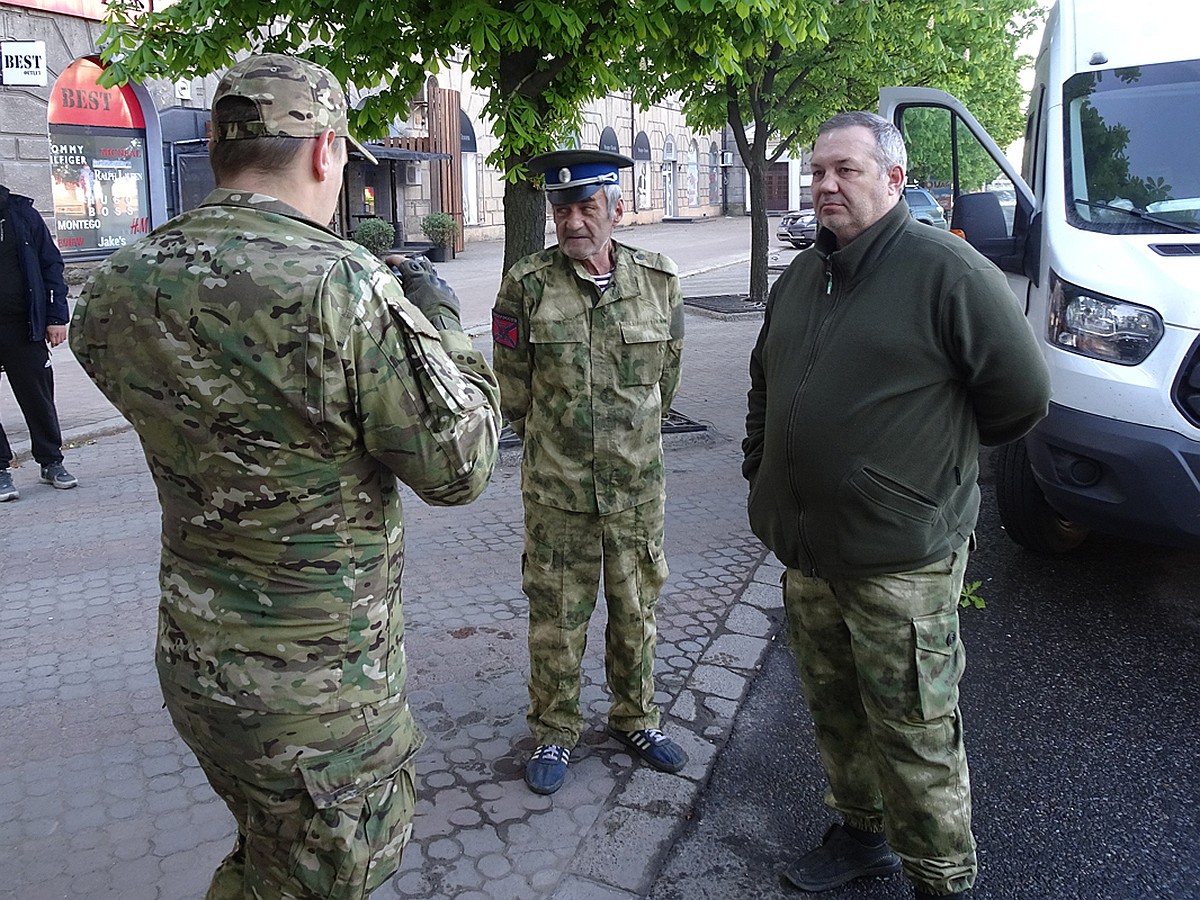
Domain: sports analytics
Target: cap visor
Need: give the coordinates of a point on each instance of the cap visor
(576, 194)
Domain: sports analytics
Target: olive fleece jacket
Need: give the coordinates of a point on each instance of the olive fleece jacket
(879, 370)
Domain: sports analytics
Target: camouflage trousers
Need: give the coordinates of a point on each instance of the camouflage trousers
(323, 803)
(880, 659)
(565, 553)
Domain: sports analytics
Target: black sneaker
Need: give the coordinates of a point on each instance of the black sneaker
(56, 474)
(654, 747)
(547, 768)
(8, 490)
(840, 859)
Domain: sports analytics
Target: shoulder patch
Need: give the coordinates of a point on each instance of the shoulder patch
(504, 330)
(531, 263)
(652, 260)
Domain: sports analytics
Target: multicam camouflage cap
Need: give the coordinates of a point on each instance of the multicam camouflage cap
(294, 97)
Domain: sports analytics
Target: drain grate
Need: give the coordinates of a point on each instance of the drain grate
(726, 305)
(676, 423)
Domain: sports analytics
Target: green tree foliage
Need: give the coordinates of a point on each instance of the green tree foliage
(929, 136)
(540, 60)
(807, 61)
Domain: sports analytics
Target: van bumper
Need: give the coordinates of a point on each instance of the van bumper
(1129, 480)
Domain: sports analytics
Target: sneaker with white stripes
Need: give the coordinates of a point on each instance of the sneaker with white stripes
(547, 768)
(654, 747)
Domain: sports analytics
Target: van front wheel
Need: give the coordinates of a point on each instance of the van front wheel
(1027, 517)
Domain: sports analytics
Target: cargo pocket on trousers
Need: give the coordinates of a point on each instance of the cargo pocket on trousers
(362, 821)
(940, 661)
(658, 558)
(537, 565)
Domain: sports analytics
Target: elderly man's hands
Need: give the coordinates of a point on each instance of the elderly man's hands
(427, 291)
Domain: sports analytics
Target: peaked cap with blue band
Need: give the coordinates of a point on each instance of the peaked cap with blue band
(574, 175)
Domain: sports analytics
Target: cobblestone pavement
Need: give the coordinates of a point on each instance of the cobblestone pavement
(104, 801)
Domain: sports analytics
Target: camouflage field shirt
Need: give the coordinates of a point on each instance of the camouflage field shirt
(586, 377)
(280, 384)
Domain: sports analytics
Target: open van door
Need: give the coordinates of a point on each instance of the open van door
(999, 214)
(950, 153)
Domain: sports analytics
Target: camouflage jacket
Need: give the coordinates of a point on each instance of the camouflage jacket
(280, 384)
(587, 377)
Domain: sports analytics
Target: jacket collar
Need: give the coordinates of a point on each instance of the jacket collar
(260, 203)
(863, 253)
(624, 284)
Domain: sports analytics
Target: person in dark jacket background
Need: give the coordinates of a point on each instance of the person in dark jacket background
(33, 319)
(887, 355)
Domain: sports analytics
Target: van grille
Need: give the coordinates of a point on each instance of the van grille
(1187, 388)
(1176, 249)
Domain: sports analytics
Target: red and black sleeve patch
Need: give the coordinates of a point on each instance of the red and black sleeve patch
(504, 330)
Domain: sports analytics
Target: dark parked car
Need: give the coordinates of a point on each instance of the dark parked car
(925, 209)
(798, 228)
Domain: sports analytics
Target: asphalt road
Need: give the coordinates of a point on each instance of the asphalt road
(1082, 714)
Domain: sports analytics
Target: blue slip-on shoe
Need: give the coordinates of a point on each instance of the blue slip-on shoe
(841, 859)
(547, 768)
(654, 747)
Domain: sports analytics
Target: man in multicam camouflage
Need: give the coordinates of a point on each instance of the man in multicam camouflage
(280, 383)
(587, 341)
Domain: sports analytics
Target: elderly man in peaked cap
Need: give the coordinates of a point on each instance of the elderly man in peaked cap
(588, 338)
(281, 380)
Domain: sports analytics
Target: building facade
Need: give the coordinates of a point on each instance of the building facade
(106, 165)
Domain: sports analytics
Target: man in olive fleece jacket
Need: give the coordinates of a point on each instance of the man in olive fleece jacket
(887, 354)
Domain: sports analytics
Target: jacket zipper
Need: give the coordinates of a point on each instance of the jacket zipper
(821, 331)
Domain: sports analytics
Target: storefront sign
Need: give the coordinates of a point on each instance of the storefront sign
(101, 197)
(98, 165)
(23, 63)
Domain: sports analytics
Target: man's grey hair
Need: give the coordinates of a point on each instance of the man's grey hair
(612, 193)
(889, 143)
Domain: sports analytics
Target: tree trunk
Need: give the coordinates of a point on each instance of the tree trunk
(524, 221)
(760, 232)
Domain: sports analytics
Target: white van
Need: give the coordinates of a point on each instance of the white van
(1099, 234)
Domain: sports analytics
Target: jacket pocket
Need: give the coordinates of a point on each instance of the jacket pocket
(560, 351)
(893, 496)
(940, 661)
(641, 352)
(558, 331)
(884, 522)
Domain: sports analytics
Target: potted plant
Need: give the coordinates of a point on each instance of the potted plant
(376, 235)
(441, 229)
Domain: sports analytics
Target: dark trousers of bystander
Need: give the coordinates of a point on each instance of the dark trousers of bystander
(27, 367)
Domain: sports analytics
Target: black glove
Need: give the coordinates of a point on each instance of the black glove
(429, 293)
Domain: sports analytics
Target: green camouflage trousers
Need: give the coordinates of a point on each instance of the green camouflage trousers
(880, 659)
(564, 555)
(323, 803)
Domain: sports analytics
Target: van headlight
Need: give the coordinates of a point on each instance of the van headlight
(1101, 327)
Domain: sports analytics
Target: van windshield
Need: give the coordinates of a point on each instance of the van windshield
(1130, 139)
